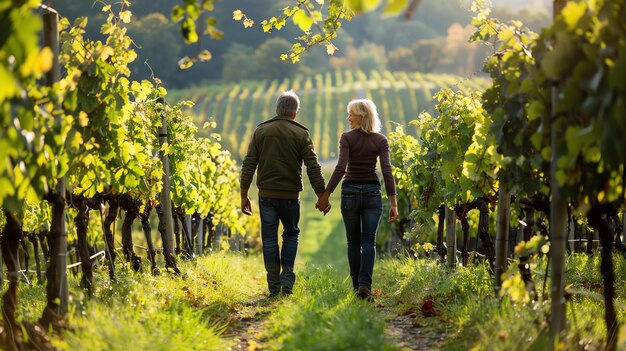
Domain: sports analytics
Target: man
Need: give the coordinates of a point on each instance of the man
(278, 149)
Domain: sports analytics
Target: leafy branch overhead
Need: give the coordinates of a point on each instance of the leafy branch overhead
(309, 17)
(319, 21)
(190, 15)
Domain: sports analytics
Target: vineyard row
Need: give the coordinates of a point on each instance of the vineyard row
(400, 97)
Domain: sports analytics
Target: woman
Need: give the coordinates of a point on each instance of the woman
(361, 200)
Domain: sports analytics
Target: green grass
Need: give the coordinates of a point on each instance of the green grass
(473, 317)
(322, 238)
(192, 311)
(324, 314)
(167, 312)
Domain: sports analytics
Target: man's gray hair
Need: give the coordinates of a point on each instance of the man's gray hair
(287, 104)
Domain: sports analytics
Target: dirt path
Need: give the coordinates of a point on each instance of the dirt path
(406, 331)
(409, 332)
(248, 322)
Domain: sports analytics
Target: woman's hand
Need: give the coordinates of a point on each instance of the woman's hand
(393, 214)
(393, 210)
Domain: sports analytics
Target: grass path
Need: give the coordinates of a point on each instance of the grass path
(322, 238)
(320, 245)
(323, 286)
(324, 243)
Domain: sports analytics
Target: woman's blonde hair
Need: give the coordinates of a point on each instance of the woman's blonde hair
(370, 122)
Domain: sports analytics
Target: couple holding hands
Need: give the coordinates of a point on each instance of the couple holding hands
(277, 151)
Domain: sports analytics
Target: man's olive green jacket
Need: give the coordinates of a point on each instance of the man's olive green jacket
(277, 151)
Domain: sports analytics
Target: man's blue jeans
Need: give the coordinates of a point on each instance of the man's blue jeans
(279, 262)
(361, 208)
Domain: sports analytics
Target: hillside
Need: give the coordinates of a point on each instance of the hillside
(238, 108)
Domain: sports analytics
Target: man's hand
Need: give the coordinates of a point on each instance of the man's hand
(246, 207)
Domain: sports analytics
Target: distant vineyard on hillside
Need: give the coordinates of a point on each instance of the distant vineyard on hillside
(238, 108)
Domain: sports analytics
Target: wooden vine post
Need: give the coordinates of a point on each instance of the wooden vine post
(451, 237)
(57, 291)
(558, 214)
(166, 201)
(200, 236)
(502, 232)
(189, 235)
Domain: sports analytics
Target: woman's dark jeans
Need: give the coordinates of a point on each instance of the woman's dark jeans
(288, 212)
(361, 208)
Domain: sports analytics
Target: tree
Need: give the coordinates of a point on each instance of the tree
(422, 56)
(273, 67)
(441, 14)
(158, 48)
(458, 52)
(403, 59)
(397, 32)
(240, 63)
(315, 61)
(372, 57)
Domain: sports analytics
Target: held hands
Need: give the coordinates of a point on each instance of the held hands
(322, 202)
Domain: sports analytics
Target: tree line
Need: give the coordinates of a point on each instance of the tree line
(433, 40)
